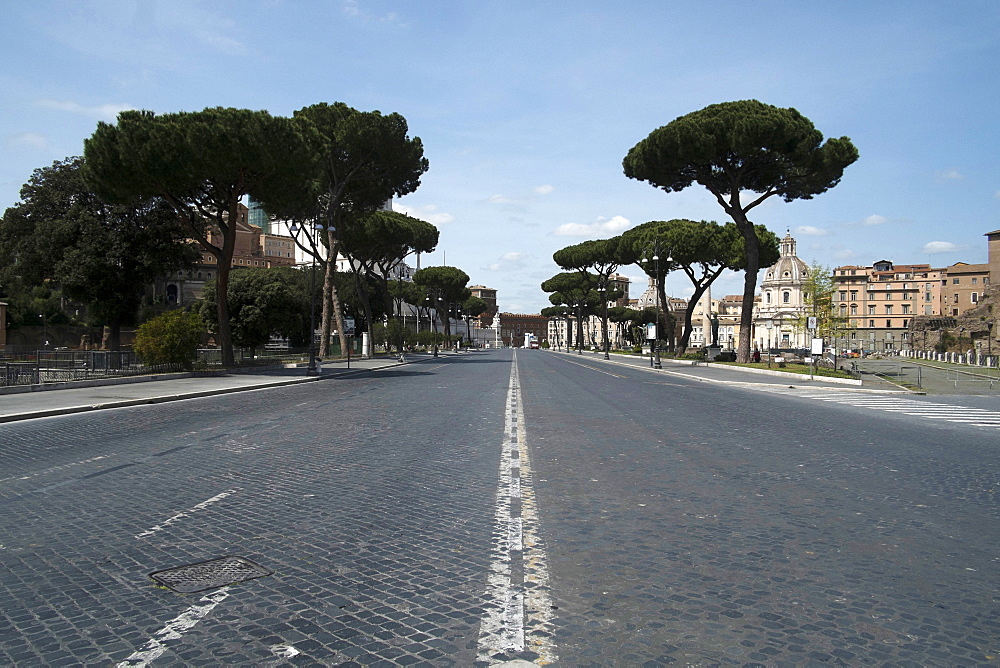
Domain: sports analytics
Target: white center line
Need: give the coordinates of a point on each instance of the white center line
(518, 611)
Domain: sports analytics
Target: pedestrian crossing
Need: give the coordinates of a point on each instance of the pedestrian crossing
(978, 417)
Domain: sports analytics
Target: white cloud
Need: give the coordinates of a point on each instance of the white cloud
(544, 190)
(875, 219)
(845, 254)
(500, 199)
(29, 140)
(602, 227)
(427, 212)
(512, 261)
(101, 112)
(810, 231)
(353, 9)
(950, 175)
(941, 247)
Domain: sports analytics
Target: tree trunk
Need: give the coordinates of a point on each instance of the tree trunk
(115, 335)
(332, 313)
(752, 244)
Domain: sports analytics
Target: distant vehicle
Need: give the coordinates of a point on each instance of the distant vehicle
(533, 344)
(530, 341)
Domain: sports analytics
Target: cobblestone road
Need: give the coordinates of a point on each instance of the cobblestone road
(452, 512)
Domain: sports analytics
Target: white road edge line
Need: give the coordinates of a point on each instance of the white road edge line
(192, 509)
(517, 615)
(174, 629)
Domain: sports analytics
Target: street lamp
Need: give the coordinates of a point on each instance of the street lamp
(769, 324)
(430, 307)
(655, 248)
(45, 335)
(603, 291)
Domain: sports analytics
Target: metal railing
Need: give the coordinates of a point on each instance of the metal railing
(58, 366)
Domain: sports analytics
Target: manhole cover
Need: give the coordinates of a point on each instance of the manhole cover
(209, 574)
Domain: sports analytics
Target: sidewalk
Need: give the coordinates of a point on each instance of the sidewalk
(717, 373)
(20, 403)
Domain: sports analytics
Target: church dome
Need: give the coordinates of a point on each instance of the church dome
(789, 268)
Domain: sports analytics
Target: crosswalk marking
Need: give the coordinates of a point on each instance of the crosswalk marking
(979, 417)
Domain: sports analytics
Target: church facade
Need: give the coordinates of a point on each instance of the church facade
(782, 305)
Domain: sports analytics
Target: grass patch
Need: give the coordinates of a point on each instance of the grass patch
(791, 367)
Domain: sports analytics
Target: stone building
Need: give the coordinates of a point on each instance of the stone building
(254, 248)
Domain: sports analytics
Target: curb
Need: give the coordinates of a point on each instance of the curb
(125, 403)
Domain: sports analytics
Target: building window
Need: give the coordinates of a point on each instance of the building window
(843, 295)
(888, 323)
(854, 295)
(975, 297)
(906, 309)
(955, 281)
(854, 309)
(871, 309)
(956, 298)
(906, 323)
(785, 297)
(975, 280)
(843, 310)
(871, 323)
(888, 309)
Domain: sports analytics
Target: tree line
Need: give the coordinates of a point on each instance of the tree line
(743, 153)
(101, 227)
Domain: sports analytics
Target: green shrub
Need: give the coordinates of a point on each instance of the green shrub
(170, 338)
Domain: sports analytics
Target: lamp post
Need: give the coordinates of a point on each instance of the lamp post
(655, 248)
(430, 307)
(603, 291)
(769, 324)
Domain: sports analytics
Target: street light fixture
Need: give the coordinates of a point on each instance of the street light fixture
(769, 324)
(602, 290)
(433, 310)
(655, 248)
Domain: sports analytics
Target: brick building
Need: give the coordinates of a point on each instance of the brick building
(513, 327)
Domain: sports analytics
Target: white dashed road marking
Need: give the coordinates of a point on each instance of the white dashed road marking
(174, 630)
(179, 516)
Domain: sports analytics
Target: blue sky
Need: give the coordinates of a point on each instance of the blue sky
(526, 109)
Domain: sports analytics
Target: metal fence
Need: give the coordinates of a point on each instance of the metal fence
(57, 366)
(23, 366)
